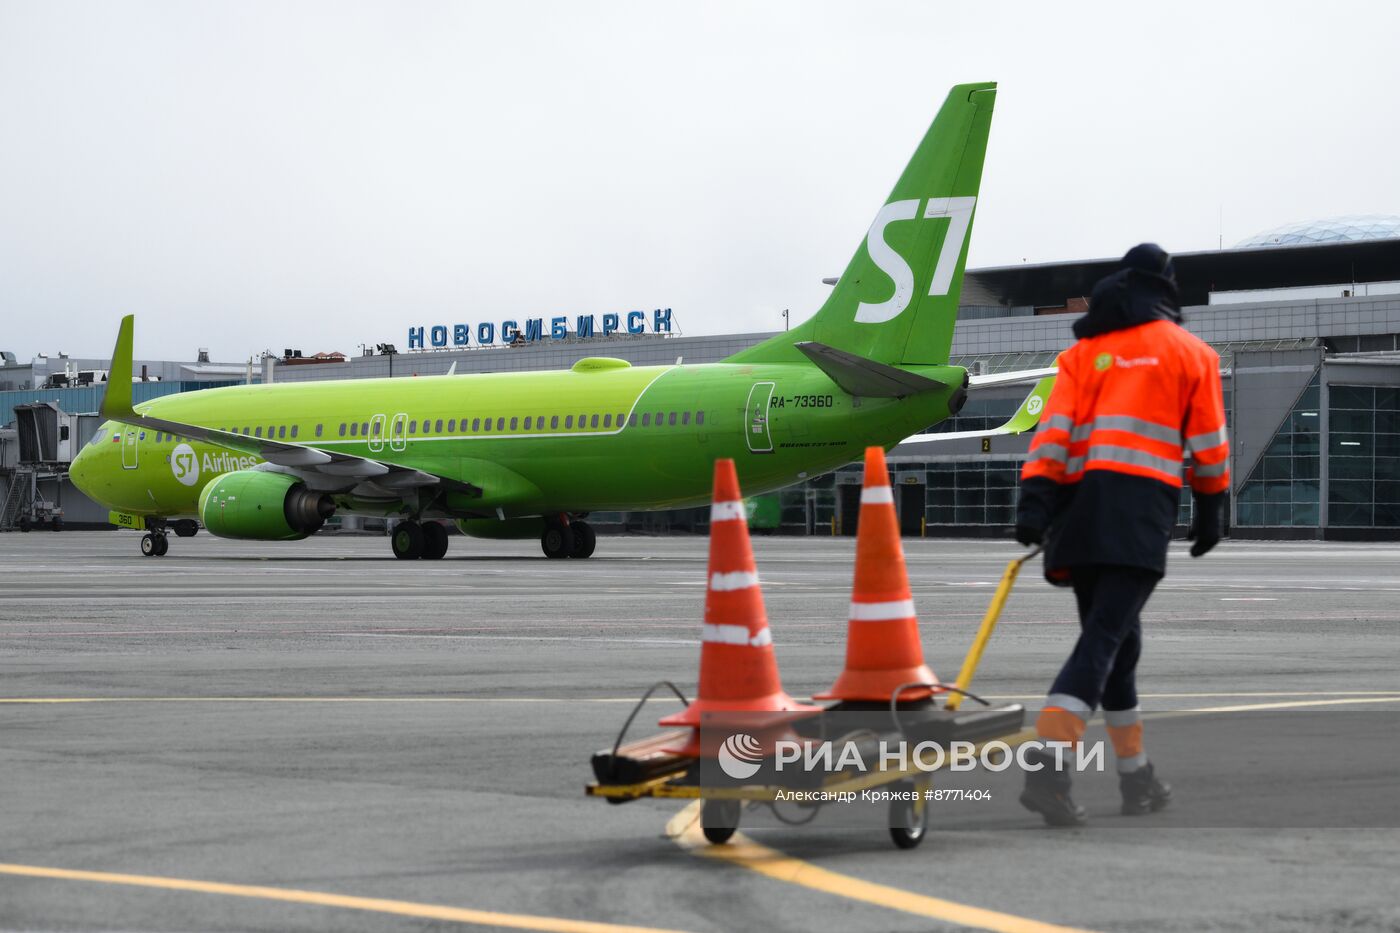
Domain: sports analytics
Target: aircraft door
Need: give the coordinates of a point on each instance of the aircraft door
(397, 440)
(129, 451)
(756, 429)
(376, 434)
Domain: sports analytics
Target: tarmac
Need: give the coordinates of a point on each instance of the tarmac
(315, 736)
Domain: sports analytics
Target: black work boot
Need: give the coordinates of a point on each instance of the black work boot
(1143, 792)
(1047, 793)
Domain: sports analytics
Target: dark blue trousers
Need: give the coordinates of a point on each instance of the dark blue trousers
(1101, 669)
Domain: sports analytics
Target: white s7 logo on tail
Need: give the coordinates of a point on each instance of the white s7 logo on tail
(959, 214)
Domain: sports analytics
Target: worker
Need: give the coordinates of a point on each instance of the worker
(1135, 394)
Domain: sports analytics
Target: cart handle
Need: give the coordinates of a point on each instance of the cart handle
(637, 709)
(989, 622)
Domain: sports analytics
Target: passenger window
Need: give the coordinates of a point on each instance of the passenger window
(685, 417)
(354, 430)
(257, 432)
(487, 424)
(439, 426)
(364, 429)
(554, 421)
(672, 420)
(342, 429)
(527, 422)
(141, 436)
(319, 429)
(294, 432)
(607, 420)
(377, 426)
(500, 424)
(247, 431)
(594, 422)
(271, 431)
(621, 419)
(452, 426)
(699, 417)
(413, 427)
(659, 415)
(513, 423)
(281, 432)
(476, 424)
(568, 421)
(632, 421)
(646, 419)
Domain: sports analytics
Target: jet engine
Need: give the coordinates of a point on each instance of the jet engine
(261, 506)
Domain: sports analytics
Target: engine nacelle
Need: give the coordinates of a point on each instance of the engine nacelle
(260, 506)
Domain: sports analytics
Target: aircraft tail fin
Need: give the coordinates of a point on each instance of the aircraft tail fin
(116, 401)
(897, 301)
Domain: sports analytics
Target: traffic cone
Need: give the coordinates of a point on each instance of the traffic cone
(882, 636)
(739, 685)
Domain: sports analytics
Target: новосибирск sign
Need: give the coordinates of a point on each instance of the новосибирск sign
(484, 334)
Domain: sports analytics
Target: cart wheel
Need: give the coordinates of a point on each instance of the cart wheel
(25, 524)
(56, 523)
(908, 818)
(719, 819)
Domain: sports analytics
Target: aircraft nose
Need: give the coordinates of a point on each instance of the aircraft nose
(85, 471)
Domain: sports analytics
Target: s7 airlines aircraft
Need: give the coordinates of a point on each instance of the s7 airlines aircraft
(516, 455)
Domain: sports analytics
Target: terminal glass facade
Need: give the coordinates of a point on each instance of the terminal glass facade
(1363, 456)
(1284, 488)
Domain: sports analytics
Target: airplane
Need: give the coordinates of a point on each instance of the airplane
(531, 454)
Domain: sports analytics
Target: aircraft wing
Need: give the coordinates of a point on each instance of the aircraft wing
(344, 468)
(1010, 379)
(1025, 418)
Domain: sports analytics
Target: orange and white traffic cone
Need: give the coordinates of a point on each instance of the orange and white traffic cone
(882, 637)
(739, 683)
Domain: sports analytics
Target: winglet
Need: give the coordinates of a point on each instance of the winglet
(1028, 415)
(116, 402)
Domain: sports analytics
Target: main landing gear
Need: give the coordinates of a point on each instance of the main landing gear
(411, 541)
(575, 539)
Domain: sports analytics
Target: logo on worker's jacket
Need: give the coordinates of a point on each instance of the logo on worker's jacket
(1103, 361)
(740, 756)
(184, 463)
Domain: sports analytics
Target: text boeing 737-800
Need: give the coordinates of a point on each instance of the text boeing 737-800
(513, 455)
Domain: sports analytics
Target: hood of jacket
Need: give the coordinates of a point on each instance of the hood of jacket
(1142, 290)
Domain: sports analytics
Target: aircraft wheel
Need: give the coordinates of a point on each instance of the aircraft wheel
(162, 545)
(434, 541)
(557, 541)
(149, 547)
(719, 819)
(585, 540)
(407, 541)
(56, 524)
(25, 524)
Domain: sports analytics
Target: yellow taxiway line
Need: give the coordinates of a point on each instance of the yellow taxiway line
(377, 905)
(684, 828)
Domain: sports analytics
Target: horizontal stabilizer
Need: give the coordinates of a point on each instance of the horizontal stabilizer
(866, 378)
(1025, 419)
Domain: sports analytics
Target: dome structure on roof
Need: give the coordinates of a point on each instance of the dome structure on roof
(1349, 227)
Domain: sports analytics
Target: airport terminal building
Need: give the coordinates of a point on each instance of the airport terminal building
(1306, 320)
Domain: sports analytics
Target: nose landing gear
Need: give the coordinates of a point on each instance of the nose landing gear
(154, 543)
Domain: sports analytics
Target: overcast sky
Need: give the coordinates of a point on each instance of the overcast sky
(245, 176)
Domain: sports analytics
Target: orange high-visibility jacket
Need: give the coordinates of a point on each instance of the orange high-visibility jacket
(1127, 407)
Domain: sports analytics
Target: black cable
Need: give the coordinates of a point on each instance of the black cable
(612, 764)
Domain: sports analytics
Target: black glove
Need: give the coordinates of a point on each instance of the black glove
(1205, 525)
(1029, 535)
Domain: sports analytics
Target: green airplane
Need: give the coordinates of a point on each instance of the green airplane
(530, 455)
